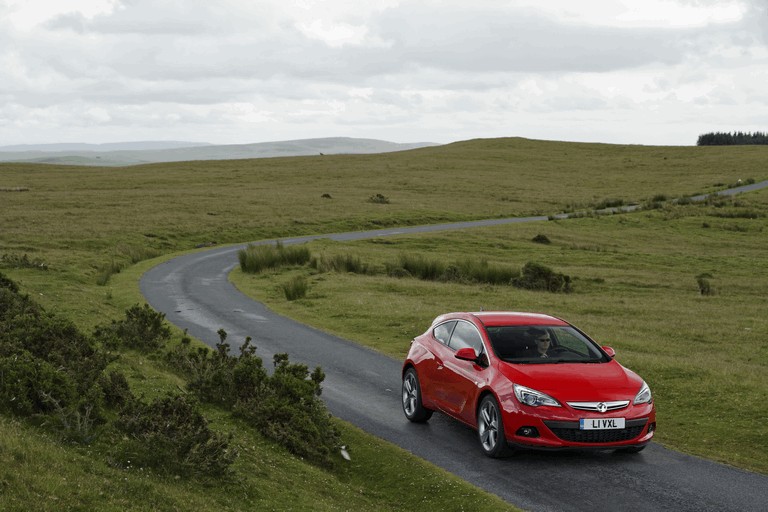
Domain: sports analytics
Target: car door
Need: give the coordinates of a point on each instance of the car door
(460, 379)
(431, 368)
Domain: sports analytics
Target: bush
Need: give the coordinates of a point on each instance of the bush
(25, 381)
(7, 284)
(535, 276)
(378, 199)
(115, 389)
(705, 287)
(143, 328)
(170, 435)
(541, 239)
(290, 412)
(256, 258)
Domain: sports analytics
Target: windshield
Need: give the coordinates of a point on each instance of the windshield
(541, 344)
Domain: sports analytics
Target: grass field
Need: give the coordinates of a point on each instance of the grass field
(634, 277)
(635, 288)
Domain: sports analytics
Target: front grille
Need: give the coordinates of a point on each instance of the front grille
(593, 406)
(569, 431)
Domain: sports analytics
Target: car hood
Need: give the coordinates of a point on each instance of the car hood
(576, 381)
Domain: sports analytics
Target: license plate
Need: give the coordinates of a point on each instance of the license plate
(601, 423)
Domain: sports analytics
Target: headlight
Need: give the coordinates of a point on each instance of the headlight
(534, 398)
(644, 395)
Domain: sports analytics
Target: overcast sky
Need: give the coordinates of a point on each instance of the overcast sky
(240, 71)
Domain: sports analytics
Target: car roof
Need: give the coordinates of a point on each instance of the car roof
(498, 318)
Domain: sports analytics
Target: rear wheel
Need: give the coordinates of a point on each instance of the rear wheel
(490, 428)
(412, 406)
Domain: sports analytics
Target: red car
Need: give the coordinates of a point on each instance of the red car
(526, 380)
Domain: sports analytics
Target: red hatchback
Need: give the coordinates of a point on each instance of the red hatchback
(526, 380)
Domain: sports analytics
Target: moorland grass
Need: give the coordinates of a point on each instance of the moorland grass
(636, 287)
(78, 220)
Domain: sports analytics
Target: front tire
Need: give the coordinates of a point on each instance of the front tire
(412, 406)
(490, 428)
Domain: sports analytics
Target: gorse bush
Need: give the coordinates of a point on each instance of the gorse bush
(257, 258)
(170, 435)
(54, 374)
(48, 368)
(216, 377)
(378, 199)
(143, 328)
(284, 407)
(289, 410)
(705, 286)
(536, 276)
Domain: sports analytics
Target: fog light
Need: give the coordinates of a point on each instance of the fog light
(652, 427)
(528, 432)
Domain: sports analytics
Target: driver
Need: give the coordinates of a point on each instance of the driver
(542, 342)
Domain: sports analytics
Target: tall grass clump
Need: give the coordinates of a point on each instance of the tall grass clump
(420, 267)
(105, 272)
(136, 253)
(296, 288)
(480, 271)
(340, 263)
(257, 258)
(23, 261)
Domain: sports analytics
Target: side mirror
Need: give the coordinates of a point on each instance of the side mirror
(610, 352)
(467, 354)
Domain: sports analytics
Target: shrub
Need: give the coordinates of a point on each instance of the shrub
(541, 239)
(26, 328)
(705, 287)
(378, 199)
(296, 288)
(143, 328)
(536, 276)
(216, 376)
(114, 387)
(8, 284)
(171, 436)
(26, 381)
(256, 258)
(291, 412)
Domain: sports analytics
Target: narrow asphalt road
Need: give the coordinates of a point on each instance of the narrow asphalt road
(363, 388)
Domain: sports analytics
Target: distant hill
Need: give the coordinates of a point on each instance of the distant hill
(133, 153)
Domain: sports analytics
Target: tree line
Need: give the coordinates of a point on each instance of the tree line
(732, 139)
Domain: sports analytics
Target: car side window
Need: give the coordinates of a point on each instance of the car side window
(443, 332)
(466, 335)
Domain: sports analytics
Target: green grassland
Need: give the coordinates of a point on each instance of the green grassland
(634, 279)
(635, 288)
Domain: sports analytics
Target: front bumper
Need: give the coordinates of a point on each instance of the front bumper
(549, 428)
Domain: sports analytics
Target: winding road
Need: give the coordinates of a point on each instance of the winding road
(363, 388)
